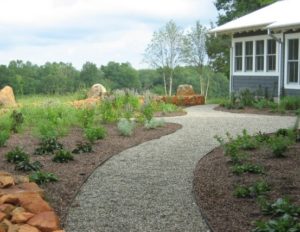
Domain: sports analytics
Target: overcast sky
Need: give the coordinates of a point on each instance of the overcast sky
(99, 31)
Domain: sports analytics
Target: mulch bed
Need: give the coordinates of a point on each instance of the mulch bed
(73, 174)
(214, 185)
(251, 110)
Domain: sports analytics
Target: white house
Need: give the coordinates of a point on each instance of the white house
(265, 52)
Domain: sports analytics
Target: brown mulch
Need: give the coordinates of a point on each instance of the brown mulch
(251, 110)
(214, 185)
(73, 174)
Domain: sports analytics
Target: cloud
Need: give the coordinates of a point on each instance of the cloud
(90, 30)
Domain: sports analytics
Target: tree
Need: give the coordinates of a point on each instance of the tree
(164, 51)
(194, 53)
(90, 74)
(218, 48)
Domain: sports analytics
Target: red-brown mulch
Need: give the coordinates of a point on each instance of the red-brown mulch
(251, 110)
(214, 185)
(73, 174)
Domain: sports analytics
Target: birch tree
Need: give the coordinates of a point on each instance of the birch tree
(164, 52)
(194, 53)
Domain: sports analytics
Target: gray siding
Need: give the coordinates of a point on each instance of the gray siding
(292, 92)
(259, 84)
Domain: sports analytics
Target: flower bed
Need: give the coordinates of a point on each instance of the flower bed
(184, 100)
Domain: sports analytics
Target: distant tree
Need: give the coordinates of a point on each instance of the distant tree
(218, 48)
(90, 74)
(164, 51)
(194, 53)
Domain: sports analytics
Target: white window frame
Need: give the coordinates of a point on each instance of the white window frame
(253, 72)
(286, 84)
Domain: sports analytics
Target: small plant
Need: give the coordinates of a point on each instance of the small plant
(48, 146)
(280, 207)
(17, 155)
(279, 145)
(95, 133)
(62, 156)
(246, 97)
(40, 177)
(17, 121)
(262, 137)
(126, 127)
(239, 169)
(26, 166)
(286, 223)
(148, 111)
(154, 123)
(4, 136)
(257, 189)
(83, 148)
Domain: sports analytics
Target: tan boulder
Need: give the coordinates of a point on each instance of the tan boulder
(10, 227)
(21, 217)
(33, 203)
(97, 90)
(24, 187)
(2, 216)
(7, 208)
(21, 179)
(7, 97)
(45, 221)
(28, 228)
(185, 90)
(6, 180)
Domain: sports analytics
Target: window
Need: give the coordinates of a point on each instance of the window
(238, 56)
(293, 61)
(249, 56)
(259, 55)
(271, 56)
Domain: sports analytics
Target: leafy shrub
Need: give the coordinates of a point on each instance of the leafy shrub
(16, 155)
(246, 142)
(126, 127)
(154, 123)
(86, 117)
(4, 136)
(17, 120)
(246, 97)
(279, 145)
(108, 113)
(83, 148)
(148, 111)
(48, 146)
(40, 177)
(62, 156)
(95, 133)
(26, 166)
(262, 137)
(239, 169)
(280, 207)
(257, 189)
(286, 223)
(265, 104)
(290, 103)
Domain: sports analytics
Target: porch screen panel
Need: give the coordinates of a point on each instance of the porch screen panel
(249, 56)
(271, 56)
(293, 60)
(259, 55)
(238, 56)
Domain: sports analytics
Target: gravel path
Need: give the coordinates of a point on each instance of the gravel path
(149, 187)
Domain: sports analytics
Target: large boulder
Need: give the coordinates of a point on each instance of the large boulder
(96, 91)
(185, 90)
(7, 97)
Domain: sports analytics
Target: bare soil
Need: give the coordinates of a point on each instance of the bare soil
(73, 174)
(214, 185)
(251, 110)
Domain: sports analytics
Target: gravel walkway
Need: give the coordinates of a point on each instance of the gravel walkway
(149, 187)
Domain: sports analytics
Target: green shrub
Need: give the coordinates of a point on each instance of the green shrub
(40, 177)
(126, 127)
(167, 108)
(48, 146)
(154, 123)
(26, 166)
(16, 155)
(265, 104)
(246, 142)
(280, 207)
(290, 103)
(246, 97)
(86, 117)
(257, 189)
(148, 111)
(108, 113)
(62, 156)
(279, 145)
(17, 121)
(95, 133)
(83, 148)
(239, 169)
(262, 137)
(286, 223)
(4, 136)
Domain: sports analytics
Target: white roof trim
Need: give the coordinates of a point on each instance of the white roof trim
(279, 15)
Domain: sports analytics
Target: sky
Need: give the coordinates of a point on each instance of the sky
(99, 31)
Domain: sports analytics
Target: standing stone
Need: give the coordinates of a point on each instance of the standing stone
(97, 90)
(185, 90)
(7, 97)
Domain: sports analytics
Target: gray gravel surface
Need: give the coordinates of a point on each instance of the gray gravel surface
(149, 187)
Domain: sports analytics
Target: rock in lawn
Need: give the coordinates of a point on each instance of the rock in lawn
(7, 97)
(185, 90)
(97, 90)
